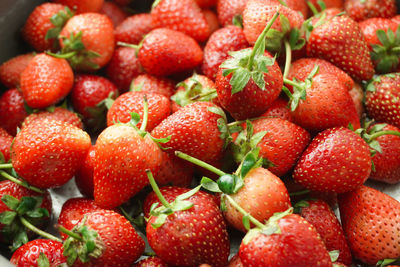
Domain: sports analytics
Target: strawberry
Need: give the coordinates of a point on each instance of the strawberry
(194, 130)
(347, 50)
(357, 94)
(206, 3)
(122, 2)
(380, 35)
(5, 145)
(212, 20)
(228, 10)
(321, 216)
(46, 80)
(235, 261)
(10, 71)
(82, 6)
(285, 241)
(39, 252)
(181, 15)
(223, 41)
(84, 174)
(174, 171)
(151, 262)
(152, 84)
(165, 52)
(114, 241)
(360, 10)
(12, 103)
(44, 25)
(59, 114)
(124, 105)
(328, 4)
(190, 236)
(370, 222)
(114, 12)
(299, 6)
(396, 19)
(279, 109)
(337, 160)
(382, 97)
(88, 40)
(134, 28)
(48, 153)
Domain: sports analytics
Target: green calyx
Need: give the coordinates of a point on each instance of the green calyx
(43, 261)
(377, 79)
(308, 25)
(299, 205)
(13, 177)
(386, 56)
(249, 63)
(334, 255)
(224, 128)
(98, 113)
(58, 20)
(386, 262)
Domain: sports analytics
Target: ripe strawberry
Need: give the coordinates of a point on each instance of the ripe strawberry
(47, 154)
(279, 109)
(58, 114)
(299, 6)
(124, 105)
(116, 242)
(321, 216)
(193, 130)
(152, 84)
(206, 3)
(370, 222)
(347, 50)
(46, 80)
(396, 19)
(229, 9)
(10, 71)
(82, 6)
(44, 25)
(360, 10)
(91, 37)
(12, 103)
(134, 28)
(235, 261)
(114, 12)
(329, 4)
(181, 15)
(165, 52)
(337, 160)
(230, 38)
(190, 237)
(84, 174)
(212, 20)
(37, 252)
(174, 171)
(151, 262)
(5, 145)
(297, 244)
(357, 94)
(382, 99)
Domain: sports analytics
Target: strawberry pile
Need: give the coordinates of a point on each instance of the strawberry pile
(202, 122)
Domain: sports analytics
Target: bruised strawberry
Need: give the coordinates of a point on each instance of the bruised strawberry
(114, 12)
(134, 28)
(229, 9)
(84, 174)
(58, 114)
(82, 6)
(10, 71)
(360, 10)
(5, 145)
(152, 84)
(12, 103)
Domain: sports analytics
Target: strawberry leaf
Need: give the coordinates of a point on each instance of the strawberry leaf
(385, 262)
(11, 202)
(7, 217)
(334, 254)
(43, 261)
(246, 222)
(189, 193)
(230, 183)
(238, 21)
(20, 238)
(182, 205)
(239, 80)
(160, 221)
(210, 185)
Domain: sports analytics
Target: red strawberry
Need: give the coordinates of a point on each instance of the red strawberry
(212, 20)
(235, 262)
(174, 171)
(123, 67)
(114, 12)
(152, 84)
(12, 103)
(297, 244)
(5, 145)
(181, 15)
(91, 37)
(193, 130)
(134, 28)
(230, 38)
(46, 80)
(47, 154)
(124, 105)
(36, 252)
(84, 174)
(193, 236)
(123, 2)
(396, 19)
(321, 216)
(10, 71)
(370, 222)
(229, 9)
(329, 4)
(357, 94)
(58, 114)
(82, 6)
(337, 160)
(206, 3)
(165, 52)
(360, 10)
(296, 5)
(151, 262)
(44, 25)
(382, 99)
(347, 50)
(279, 109)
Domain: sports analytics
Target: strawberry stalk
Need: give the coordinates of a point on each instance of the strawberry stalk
(145, 114)
(288, 60)
(156, 189)
(199, 163)
(20, 182)
(36, 230)
(64, 230)
(378, 134)
(6, 166)
(313, 9)
(299, 193)
(243, 212)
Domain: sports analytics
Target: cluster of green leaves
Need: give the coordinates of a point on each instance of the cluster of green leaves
(386, 55)
(58, 20)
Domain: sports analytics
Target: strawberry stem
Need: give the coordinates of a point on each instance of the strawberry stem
(21, 183)
(6, 166)
(288, 61)
(292, 83)
(299, 193)
(64, 230)
(145, 114)
(156, 189)
(313, 9)
(128, 45)
(199, 163)
(381, 133)
(36, 230)
(242, 211)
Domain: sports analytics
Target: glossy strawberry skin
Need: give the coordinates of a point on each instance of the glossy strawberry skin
(12, 103)
(370, 26)
(159, 108)
(121, 158)
(370, 221)
(59, 114)
(174, 171)
(362, 10)
(46, 80)
(347, 50)
(228, 9)
(47, 154)
(321, 216)
(28, 254)
(151, 262)
(5, 144)
(10, 71)
(298, 244)
(165, 52)
(337, 160)
(152, 84)
(191, 237)
(114, 12)
(82, 6)
(134, 28)
(279, 109)
(84, 174)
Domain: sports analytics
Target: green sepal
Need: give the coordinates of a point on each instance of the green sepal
(2, 158)
(135, 118)
(58, 20)
(386, 55)
(19, 239)
(334, 254)
(210, 185)
(223, 127)
(11, 202)
(7, 217)
(246, 222)
(386, 262)
(43, 261)
(230, 183)
(238, 21)
(155, 4)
